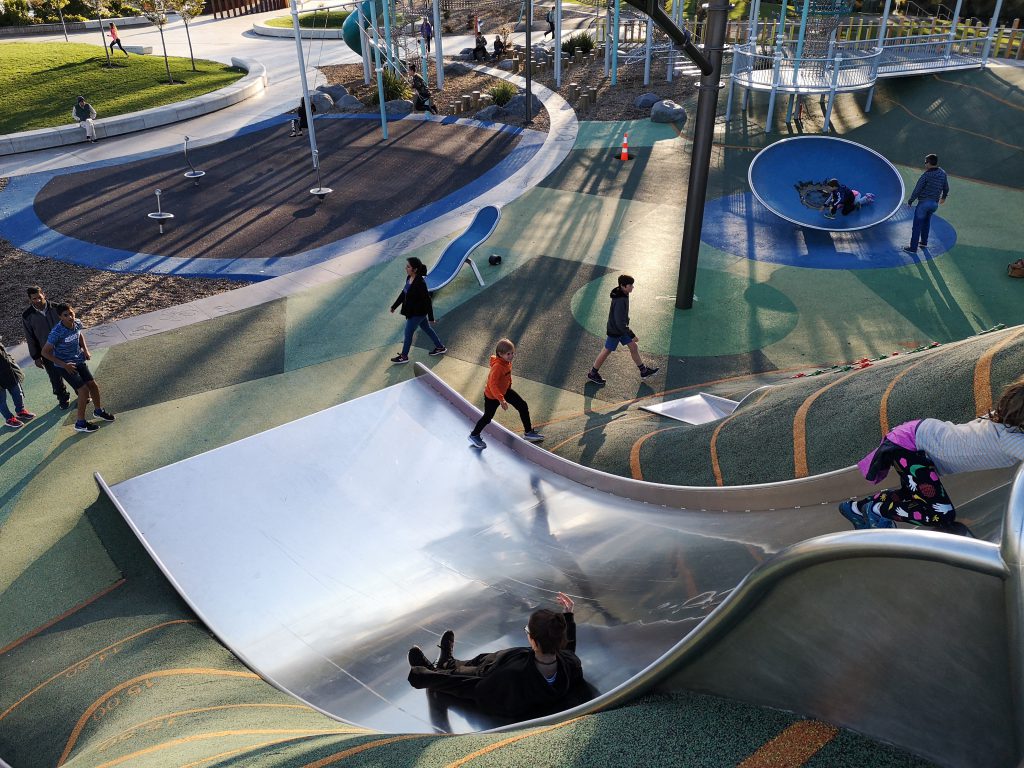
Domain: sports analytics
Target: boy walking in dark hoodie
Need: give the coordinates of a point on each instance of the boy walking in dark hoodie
(498, 391)
(619, 332)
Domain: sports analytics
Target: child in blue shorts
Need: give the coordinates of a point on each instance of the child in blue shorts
(66, 348)
(619, 332)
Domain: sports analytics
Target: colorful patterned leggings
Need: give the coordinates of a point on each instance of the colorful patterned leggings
(920, 500)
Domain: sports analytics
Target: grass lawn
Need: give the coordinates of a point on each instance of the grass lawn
(324, 20)
(40, 82)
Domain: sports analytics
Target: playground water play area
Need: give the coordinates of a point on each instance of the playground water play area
(232, 572)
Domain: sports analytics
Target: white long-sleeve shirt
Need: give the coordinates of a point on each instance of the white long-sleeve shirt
(978, 444)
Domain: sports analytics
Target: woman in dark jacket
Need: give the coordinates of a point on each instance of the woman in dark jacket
(416, 309)
(519, 683)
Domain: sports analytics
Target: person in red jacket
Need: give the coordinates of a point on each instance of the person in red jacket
(498, 391)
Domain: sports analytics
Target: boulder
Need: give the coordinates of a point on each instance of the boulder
(667, 111)
(398, 106)
(505, 64)
(492, 112)
(334, 91)
(646, 100)
(516, 106)
(349, 103)
(321, 101)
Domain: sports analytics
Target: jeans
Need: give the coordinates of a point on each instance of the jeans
(922, 222)
(16, 395)
(411, 324)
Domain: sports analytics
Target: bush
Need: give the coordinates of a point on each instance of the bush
(15, 13)
(394, 88)
(581, 41)
(503, 92)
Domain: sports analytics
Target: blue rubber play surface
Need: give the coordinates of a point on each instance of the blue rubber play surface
(787, 177)
(740, 225)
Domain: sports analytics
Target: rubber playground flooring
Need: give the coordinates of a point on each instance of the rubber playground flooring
(101, 664)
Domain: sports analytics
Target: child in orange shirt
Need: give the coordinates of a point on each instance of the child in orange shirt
(499, 392)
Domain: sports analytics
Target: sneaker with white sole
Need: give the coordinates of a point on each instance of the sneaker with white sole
(477, 442)
(596, 377)
(851, 512)
(85, 426)
(438, 351)
(645, 371)
(99, 413)
(399, 359)
(24, 415)
(13, 423)
(533, 436)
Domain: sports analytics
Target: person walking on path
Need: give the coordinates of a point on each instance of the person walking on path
(426, 32)
(930, 192)
(550, 19)
(521, 683)
(115, 39)
(922, 450)
(498, 391)
(85, 114)
(38, 320)
(619, 332)
(66, 348)
(11, 378)
(417, 309)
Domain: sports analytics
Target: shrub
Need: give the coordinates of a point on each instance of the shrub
(503, 92)
(394, 88)
(580, 41)
(15, 13)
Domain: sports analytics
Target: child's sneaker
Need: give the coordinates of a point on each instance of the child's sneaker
(99, 413)
(645, 371)
(875, 520)
(596, 377)
(24, 415)
(477, 442)
(85, 426)
(438, 351)
(533, 436)
(13, 423)
(399, 359)
(851, 512)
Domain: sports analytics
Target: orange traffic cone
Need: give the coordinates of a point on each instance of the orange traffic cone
(625, 147)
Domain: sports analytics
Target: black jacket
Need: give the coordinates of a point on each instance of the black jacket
(37, 327)
(618, 314)
(10, 371)
(416, 302)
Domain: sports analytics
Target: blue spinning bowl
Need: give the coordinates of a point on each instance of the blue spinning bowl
(808, 161)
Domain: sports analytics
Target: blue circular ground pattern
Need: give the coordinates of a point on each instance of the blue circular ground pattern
(740, 225)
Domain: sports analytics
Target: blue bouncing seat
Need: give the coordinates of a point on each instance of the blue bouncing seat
(786, 178)
(457, 253)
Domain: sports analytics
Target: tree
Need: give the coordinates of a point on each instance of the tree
(45, 8)
(188, 10)
(156, 12)
(100, 6)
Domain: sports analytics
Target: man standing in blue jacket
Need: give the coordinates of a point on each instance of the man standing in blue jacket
(931, 191)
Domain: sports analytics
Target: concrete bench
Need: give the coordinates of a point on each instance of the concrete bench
(141, 50)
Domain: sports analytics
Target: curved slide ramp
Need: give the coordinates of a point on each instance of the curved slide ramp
(321, 550)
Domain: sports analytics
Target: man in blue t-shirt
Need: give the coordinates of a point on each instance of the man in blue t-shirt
(66, 348)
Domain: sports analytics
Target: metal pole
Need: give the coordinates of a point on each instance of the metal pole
(558, 43)
(615, 46)
(389, 49)
(529, 60)
(991, 33)
(305, 87)
(799, 55)
(732, 84)
(364, 42)
(952, 30)
(380, 74)
(837, 63)
(647, 51)
(700, 162)
(438, 55)
(776, 68)
(607, 39)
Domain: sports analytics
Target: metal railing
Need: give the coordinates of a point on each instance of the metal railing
(926, 53)
(850, 67)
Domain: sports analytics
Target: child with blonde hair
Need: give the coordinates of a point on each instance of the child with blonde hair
(922, 450)
(499, 392)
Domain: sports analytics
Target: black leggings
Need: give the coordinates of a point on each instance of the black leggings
(491, 408)
(118, 44)
(921, 498)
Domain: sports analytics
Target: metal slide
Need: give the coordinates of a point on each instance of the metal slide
(321, 550)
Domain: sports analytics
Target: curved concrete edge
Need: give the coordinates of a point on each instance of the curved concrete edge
(252, 84)
(261, 28)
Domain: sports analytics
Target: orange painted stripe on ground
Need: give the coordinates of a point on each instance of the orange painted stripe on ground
(208, 672)
(992, 96)
(250, 748)
(505, 742)
(715, 466)
(363, 747)
(577, 435)
(800, 426)
(634, 453)
(294, 734)
(983, 374)
(883, 408)
(89, 658)
(792, 747)
(948, 126)
(69, 612)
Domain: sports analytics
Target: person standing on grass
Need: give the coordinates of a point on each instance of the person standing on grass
(498, 391)
(115, 39)
(930, 192)
(85, 114)
(66, 348)
(619, 332)
(38, 320)
(10, 384)
(417, 309)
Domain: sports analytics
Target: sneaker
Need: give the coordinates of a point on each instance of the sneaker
(533, 436)
(875, 520)
(924, 244)
(417, 658)
(908, 249)
(99, 413)
(64, 404)
(24, 415)
(400, 359)
(596, 377)
(829, 215)
(851, 512)
(85, 426)
(438, 351)
(477, 441)
(13, 423)
(645, 371)
(447, 645)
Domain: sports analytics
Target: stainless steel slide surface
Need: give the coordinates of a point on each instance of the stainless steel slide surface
(321, 550)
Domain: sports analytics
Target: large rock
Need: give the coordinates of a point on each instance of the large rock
(516, 106)
(321, 101)
(667, 111)
(646, 100)
(349, 103)
(505, 64)
(398, 107)
(334, 91)
(492, 112)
